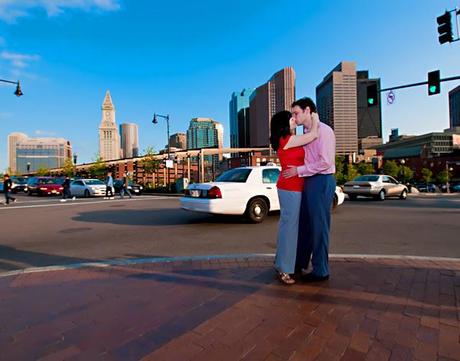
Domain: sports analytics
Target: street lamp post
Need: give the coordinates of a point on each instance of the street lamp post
(155, 121)
(18, 91)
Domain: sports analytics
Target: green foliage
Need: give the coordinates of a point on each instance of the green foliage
(365, 168)
(339, 165)
(68, 168)
(405, 174)
(150, 164)
(42, 171)
(352, 172)
(98, 169)
(391, 168)
(427, 175)
(443, 176)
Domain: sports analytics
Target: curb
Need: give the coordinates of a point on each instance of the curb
(245, 256)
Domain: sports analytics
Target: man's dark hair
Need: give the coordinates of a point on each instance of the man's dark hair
(304, 103)
(279, 127)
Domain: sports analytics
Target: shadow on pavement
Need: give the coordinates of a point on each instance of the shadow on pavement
(158, 217)
(14, 259)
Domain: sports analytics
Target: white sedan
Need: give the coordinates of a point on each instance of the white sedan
(249, 191)
(87, 188)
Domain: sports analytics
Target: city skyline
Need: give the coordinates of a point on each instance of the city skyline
(76, 54)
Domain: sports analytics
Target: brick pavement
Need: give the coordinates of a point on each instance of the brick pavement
(233, 309)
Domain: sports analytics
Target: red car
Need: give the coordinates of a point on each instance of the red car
(43, 186)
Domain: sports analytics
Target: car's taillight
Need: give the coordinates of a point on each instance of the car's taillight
(43, 188)
(214, 192)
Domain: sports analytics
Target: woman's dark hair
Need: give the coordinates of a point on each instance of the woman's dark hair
(304, 103)
(279, 127)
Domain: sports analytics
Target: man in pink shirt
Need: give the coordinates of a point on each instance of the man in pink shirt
(318, 194)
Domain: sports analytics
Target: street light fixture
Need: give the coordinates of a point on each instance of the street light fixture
(155, 121)
(18, 92)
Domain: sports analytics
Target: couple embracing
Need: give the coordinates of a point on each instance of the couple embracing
(306, 189)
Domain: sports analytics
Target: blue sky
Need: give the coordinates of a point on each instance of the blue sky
(185, 58)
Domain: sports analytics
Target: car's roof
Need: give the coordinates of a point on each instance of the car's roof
(256, 167)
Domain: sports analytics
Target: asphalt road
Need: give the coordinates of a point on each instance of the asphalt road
(43, 231)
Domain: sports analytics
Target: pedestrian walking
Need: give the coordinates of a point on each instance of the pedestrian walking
(124, 187)
(66, 189)
(109, 186)
(290, 152)
(7, 184)
(318, 193)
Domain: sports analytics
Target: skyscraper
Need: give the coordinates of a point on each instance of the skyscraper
(336, 100)
(369, 118)
(109, 139)
(205, 133)
(35, 153)
(275, 95)
(238, 102)
(13, 140)
(129, 140)
(178, 140)
(454, 107)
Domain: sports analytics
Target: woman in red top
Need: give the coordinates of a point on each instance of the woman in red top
(290, 153)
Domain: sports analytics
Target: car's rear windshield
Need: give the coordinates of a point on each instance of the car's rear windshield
(49, 181)
(238, 175)
(19, 179)
(94, 182)
(367, 178)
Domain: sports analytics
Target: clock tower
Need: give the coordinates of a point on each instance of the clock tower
(109, 139)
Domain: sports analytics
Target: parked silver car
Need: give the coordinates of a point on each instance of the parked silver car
(87, 188)
(376, 186)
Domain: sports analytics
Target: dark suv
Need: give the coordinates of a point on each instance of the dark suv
(132, 187)
(19, 184)
(43, 186)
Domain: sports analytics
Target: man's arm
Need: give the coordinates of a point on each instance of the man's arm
(326, 159)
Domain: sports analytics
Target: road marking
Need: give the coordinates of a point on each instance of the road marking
(80, 202)
(136, 261)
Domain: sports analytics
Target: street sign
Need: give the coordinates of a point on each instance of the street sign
(391, 97)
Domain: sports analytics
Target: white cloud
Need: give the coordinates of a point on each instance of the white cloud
(18, 61)
(44, 133)
(10, 10)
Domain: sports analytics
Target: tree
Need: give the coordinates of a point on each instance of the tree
(405, 174)
(352, 172)
(150, 163)
(391, 168)
(340, 178)
(427, 175)
(98, 169)
(365, 168)
(443, 177)
(42, 171)
(68, 168)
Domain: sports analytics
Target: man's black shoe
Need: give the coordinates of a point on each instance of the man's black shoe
(311, 277)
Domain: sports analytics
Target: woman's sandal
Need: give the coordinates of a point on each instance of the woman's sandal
(286, 278)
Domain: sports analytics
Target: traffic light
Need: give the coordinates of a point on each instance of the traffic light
(372, 98)
(445, 28)
(434, 82)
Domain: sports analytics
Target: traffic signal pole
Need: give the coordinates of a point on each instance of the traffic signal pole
(418, 84)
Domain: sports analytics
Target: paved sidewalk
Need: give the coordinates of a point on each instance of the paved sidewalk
(233, 309)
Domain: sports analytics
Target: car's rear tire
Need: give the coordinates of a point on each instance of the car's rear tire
(86, 194)
(256, 210)
(403, 195)
(381, 195)
(352, 197)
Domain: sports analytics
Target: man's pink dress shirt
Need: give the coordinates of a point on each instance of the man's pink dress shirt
(319, 154)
